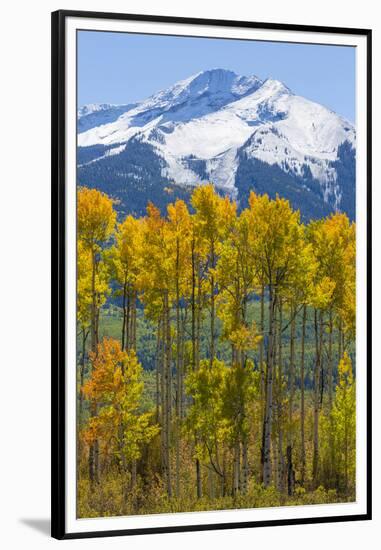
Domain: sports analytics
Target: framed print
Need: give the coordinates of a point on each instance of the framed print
(211, 187)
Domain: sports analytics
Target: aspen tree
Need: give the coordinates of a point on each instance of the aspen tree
(125, 259)
(95, 223)
(214, 217)
(296, 295)
(276, 242)
(115, 384)
(344, 421)
(154, 282)
(201, 277)
(179, 236)
(84, 300)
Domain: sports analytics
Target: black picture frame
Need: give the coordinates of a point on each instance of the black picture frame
(58, 320)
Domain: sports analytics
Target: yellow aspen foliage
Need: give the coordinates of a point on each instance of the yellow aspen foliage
(126, 253)
(178, 235)
(333, 244)
(241, 391)
(276, 238)
(245, 338)
(154, 279)
(95, 216)
(83, 285)
(339, 430)
(116, 386)
(205, 419)
(214, 214)
(95, 223)
(243, 319)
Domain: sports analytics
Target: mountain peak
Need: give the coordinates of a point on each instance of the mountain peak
(219, 80)
(216, 72)
(214, 81)
(275, 86)
(226, 128)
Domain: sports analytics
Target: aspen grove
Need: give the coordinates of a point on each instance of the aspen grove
(250, 396)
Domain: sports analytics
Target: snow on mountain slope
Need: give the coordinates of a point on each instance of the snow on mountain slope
(94, 108)
(294, 133)
(203, 125)
(188, 99)
(97, 114)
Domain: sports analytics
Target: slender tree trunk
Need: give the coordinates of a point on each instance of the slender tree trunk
(195, 345)
(302, 405)
(91, 463)
(198, 479)
(96, 456)
(346, 437)
(122, 461)
(82, 374)
(93, 447)
(262, 377)
(93, 329)
(124, 315)
(290, 442)
(281, 464)
(178, 371)
(236, 469)
(198, 316)
(268, 417)
(131, 340)
(133, 474)
(168, 392)
(318, 325)
(223, 480)
(261, 365)
(212, 320)
(94, 451)
(211, 484)
(163, 406)
(182, 363)
(340, 342)
(330, 395)
(80, 406)
(245, 467)
(169, 353)
(128, 319)
(157, 364)
(177, 456)
(290, 473)
(212, 308)
(133, 320)
(193, 306)
(330, 362)
(164, 399)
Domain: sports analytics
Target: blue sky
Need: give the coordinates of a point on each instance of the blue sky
(121, 67)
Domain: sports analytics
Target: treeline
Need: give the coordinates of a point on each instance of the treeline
(218, 434)
(131, 176)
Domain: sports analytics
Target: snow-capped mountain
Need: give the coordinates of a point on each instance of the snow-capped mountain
(238, 132)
